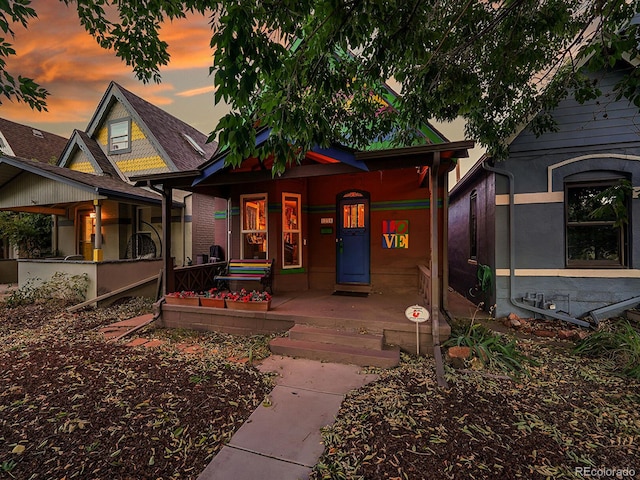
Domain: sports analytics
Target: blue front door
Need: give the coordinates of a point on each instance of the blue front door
(352, 237)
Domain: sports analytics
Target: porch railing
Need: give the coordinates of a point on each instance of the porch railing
(197, 278)
(424, 283)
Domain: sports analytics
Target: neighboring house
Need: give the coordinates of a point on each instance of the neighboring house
(99, 215)
(531, 219)
(23, 141)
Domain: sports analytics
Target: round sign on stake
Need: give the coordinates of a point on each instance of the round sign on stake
(417, 313)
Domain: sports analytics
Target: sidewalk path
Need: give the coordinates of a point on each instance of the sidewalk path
(281, 439)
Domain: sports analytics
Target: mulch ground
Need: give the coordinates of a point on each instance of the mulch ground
(570, 418)
(74, 406)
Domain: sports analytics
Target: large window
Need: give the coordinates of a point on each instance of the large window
(120, 136)
(254, 226)
(291, 231)
(595, 236)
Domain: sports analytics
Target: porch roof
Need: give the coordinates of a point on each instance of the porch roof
(334, 160)
(49, 185)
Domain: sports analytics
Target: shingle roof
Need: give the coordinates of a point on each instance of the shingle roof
(104, 185)
(98, 155)
(170, 133)
(29, 142)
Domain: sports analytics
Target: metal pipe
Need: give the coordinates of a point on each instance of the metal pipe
(512, 255)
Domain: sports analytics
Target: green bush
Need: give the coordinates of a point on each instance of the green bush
(492, 349)
(618, 341)
(61, 286)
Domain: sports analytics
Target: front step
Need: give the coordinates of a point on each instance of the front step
(336, 337)
(338, 346)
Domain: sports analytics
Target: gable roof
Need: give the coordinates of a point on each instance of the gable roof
(27, 142)
(167, 133)
(81, 141)
(106, 186)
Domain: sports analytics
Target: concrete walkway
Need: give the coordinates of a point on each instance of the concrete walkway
(281, 439)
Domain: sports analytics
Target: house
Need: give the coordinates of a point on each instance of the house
(22, 141)
(342, 220)
(102, 221)
(26, 142)
(530, 226)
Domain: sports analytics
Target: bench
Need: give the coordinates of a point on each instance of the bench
(247, 270)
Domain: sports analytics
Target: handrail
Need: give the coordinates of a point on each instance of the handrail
(424, 283)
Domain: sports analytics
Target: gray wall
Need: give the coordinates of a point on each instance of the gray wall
(602, 135)
(603, 131)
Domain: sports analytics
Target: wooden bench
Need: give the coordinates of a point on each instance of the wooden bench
(247, 270)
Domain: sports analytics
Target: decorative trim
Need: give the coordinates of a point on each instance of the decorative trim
(531, 198)
(551, 168)
(571, 272)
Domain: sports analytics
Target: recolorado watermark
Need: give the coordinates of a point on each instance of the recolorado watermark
(605, 472)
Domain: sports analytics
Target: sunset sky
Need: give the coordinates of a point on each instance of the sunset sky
(58, 54)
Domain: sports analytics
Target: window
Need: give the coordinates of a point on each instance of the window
(119, 136)
(473, 226)
(291, 231)
(254, 226)
(594, 235)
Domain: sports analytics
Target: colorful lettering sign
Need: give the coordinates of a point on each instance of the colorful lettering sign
(395, 234)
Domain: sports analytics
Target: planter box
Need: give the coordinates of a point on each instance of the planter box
(189, 301)
(250, 306)
(212, 302)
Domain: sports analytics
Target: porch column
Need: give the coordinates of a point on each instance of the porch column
(167, 271)
(54, 235)
(97, 241)
(445, 243)
(435, 246)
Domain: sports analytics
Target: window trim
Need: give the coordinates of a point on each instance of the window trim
(297, 230)
(110, 125)
(243, 231)
(623, 232)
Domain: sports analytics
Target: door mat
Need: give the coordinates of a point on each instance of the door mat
(342, 293)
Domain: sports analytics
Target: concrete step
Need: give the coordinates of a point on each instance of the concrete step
(387, 358)
(336, 336)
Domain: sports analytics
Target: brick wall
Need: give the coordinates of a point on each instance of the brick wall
(202, 224)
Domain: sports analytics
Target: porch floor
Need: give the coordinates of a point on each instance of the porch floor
(317, 306)
(378, 313)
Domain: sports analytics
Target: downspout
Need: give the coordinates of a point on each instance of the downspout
(512, 255)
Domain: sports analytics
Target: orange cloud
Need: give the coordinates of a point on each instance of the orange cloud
(60, 55)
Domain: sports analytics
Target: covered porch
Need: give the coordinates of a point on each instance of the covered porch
(102, 227)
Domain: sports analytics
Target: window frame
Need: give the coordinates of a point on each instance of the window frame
(111, 124)
(292, 231)
(248, 231)
(622, 236)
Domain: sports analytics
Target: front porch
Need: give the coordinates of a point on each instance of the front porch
(379, 314)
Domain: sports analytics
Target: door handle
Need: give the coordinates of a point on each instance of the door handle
(340, 244)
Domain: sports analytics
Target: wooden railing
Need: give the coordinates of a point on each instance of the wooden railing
(197, 278)
(424, 283)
